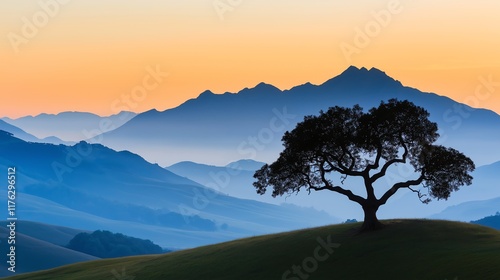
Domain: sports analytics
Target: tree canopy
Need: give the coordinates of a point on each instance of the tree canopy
(105, 244)
(351, 142)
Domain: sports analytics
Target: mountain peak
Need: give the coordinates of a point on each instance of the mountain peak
(263, 85)
(261, 88)
(362, 77)
(353, 70)
(206, 93)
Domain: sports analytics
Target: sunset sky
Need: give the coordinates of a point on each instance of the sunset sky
(86, 55)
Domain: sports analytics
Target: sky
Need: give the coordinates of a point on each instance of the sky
(110, 55)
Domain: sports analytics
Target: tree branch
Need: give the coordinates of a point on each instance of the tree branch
(425, 201)
(328, 185)
(343, 191)
(398, 186)
(386, 166)
(376, 163)
(342, 169)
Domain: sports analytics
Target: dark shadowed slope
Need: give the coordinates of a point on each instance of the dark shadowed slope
(405, 249)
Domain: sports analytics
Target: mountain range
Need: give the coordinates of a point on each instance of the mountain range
(211, 146)
(21, 134)
(92, 187)
(69, 126)
(220, 128)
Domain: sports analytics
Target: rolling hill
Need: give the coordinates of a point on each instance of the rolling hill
(404, 249)
(93, 187)
(40, 246)
(220, 128)
(56, 235)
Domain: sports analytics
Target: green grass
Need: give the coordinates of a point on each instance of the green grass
(404, 249)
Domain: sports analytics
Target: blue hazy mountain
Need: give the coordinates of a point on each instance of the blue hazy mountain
(220, 128)
(40, 246)
(490, 221)
(21, 134)
(93, 187)
(234, 179)
(471, 210)
(70, 126)
(245, 164)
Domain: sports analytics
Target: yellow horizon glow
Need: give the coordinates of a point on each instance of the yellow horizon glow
(90, 53)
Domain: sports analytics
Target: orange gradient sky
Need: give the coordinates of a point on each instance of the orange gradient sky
(85, 55)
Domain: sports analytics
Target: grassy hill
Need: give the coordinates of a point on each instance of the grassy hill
(404, 249)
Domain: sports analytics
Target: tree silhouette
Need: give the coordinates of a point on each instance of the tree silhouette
(352, 143)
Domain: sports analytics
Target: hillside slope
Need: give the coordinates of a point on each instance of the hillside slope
(93, 187)
(404, 249)
(33, 254)
(46, 232)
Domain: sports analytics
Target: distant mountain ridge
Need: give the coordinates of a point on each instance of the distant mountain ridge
(19, 133)
(490, 221)
(234, 179)
(70, 126)
(471, 210)
(220, 128)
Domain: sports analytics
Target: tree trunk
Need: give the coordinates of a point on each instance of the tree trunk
(371, 222)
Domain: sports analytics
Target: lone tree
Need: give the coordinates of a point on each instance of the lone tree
(353, 143)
